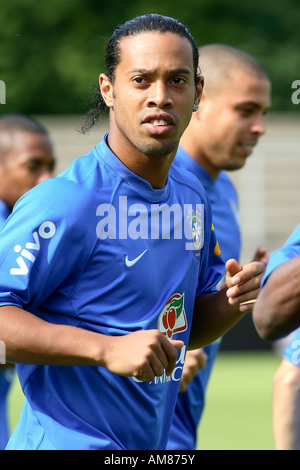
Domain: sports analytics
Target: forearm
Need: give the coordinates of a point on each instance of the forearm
(30, 340)
(143, 354)
(286, 403)
(212, 317)
(277, 310)
(216, 313)
(194, 360)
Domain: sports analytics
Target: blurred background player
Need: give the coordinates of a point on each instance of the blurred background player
(26, 158)
(220, 137)
(276, 315)
(286, 398)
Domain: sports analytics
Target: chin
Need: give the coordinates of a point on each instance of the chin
(233, 166)
(159, 150)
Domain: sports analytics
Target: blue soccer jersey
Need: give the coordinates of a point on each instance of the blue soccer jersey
(226, 220)
(6, 379)
(292, 351)
(289, 250)
(99, 248)
(4, 213)
(6, 375)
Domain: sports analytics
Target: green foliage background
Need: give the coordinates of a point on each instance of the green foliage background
(51, 52)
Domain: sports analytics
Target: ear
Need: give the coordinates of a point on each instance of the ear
(2, 177)
(199, 90)
(106, 89)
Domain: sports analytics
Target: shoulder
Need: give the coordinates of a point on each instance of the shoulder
(225, 182)
(80, 169)
(71, 188)
(56, 194)
(64, 201)
(294, 239)
(54, 207)
(288, 251)
(188, 182)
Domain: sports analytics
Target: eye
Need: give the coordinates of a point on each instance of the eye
(36, 165)
(246, 111)
(140, 80)
(179, 80)
(33, 166)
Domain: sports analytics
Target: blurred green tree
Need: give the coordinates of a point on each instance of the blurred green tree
(51, 52)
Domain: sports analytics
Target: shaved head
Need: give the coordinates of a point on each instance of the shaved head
(26, 156)
(220, 62)
(230, 120)
(10, 123)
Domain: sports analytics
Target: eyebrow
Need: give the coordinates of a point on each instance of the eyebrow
(171, 72)
(40, 160)
(253, 104)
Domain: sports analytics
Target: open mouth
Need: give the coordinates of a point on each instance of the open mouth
(157, 125)
(247, 148)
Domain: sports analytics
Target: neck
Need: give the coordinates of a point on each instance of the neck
(188, 145)
(154, 169)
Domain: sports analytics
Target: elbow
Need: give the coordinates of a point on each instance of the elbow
(274, 320)
(267, 332)
(266, 323)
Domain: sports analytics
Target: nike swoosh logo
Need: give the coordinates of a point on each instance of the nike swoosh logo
(132, 262)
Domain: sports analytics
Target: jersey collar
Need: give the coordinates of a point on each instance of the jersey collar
(142, 186)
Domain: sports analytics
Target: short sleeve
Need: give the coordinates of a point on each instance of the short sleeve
(289, 250)
(42, 244)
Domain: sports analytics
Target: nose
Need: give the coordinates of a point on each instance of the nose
(159, 96)
(258, 126)
(44, 175)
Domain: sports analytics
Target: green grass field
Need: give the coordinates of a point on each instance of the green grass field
(238, 413)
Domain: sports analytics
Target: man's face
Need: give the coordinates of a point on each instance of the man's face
(232, 120)
(28, 161)
(153, 94)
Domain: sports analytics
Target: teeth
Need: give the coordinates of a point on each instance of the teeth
(160, 122)
(248, 147)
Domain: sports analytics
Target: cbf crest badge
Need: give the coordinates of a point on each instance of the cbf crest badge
(194, 222)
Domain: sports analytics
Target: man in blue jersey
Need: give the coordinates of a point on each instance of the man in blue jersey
(114, 260)
(220, 137)
(26, 158)
(277, 314)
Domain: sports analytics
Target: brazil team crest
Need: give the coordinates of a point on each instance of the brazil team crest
(172, 319)
(196, 227)
(194, 223)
